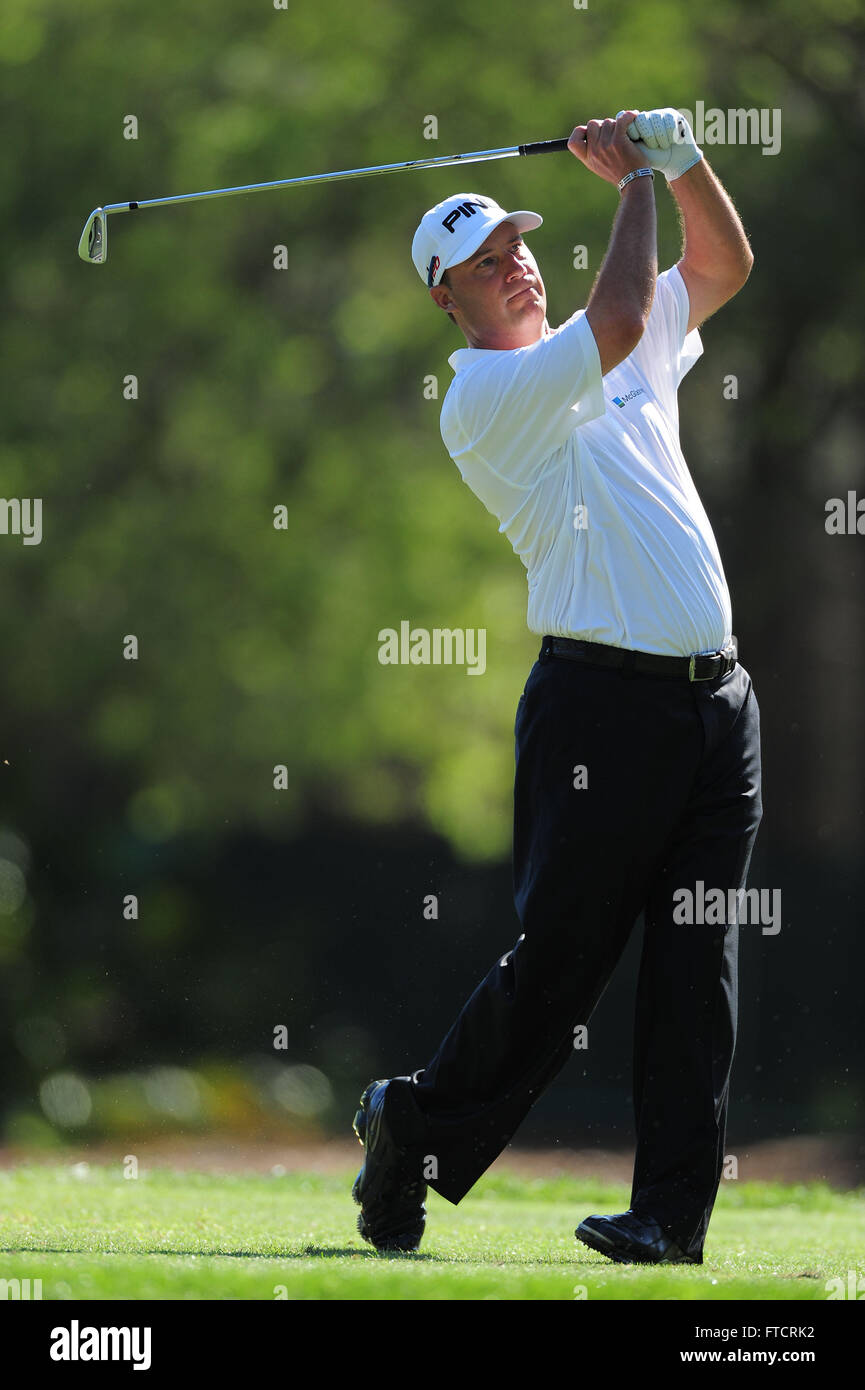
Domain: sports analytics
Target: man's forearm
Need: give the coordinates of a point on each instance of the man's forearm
(715, 246)
(622, 295)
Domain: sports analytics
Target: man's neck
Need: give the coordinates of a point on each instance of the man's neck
(543, 332)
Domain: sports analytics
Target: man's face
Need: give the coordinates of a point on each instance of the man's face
(497, 296)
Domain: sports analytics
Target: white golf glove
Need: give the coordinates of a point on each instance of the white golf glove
(668, 140)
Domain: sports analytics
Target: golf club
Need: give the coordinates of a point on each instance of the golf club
(93, 244)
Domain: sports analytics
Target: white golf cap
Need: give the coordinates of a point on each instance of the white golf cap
(453, 230)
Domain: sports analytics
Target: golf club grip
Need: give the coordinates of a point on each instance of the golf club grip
(551, 146)
(544, 146)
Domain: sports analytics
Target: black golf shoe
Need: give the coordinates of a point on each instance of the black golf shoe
(631, 1239)
(389, 1189)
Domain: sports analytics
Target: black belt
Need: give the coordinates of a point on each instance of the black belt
(692, 668)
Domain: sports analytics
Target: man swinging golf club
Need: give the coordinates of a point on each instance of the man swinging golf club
(637, 734)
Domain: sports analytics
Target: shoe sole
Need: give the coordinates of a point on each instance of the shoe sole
(595, 1241)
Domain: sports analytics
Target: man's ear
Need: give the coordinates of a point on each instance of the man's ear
(442, 296)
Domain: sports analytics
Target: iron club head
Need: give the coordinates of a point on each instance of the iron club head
(93, 245)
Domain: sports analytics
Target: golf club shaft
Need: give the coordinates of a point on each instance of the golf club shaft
(93, 243)
(440, 161)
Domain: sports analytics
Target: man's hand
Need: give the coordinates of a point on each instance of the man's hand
(605, 149)
(665, 139)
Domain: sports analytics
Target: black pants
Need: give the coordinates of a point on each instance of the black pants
(672, 796)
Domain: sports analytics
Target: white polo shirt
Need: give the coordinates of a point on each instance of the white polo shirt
(538, 433)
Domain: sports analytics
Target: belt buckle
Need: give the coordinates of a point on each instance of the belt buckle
(709, 656)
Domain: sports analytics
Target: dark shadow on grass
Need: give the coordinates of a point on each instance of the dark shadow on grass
(328, 1252)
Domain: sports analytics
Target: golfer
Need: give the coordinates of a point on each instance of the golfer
(637, 734)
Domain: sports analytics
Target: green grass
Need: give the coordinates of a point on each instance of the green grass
(168, 1235)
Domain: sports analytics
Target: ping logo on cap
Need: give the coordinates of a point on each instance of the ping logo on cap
(466, 209)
